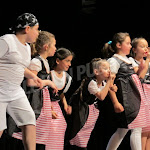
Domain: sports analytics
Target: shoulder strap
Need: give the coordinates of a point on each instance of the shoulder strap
(118, 60)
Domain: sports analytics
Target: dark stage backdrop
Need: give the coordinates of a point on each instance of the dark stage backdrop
(82, 26)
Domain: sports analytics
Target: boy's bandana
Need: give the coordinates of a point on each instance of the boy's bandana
(26, 19)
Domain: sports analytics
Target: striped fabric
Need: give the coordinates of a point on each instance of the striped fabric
(146, 88)
(82, 137)
(57, 130)
(141, 120)
(49, 132)
(43, 121)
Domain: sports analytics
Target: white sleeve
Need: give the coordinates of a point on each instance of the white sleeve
(68, 85)
(114, 65)
(93, 88)
(35, 65)
(3, 48)
(134, 64)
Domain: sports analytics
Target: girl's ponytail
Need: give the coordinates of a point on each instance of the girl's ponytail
(107, 50)
(33, 50)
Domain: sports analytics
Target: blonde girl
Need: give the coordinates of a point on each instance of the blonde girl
(140, 51)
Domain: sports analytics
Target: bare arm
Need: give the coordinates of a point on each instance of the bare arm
(30, 75)
(143, 68)
(67, 108)
(49, 83)
(117, 106)
(103, 93)
(112, 93)
(110, 83)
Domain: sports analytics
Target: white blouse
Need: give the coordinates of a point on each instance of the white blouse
(114, 65)
(60, 82)
(36, 64)
(93, 87)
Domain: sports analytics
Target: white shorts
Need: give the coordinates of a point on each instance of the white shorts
(20, 110)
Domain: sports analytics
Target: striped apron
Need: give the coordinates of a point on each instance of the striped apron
(141, 120)
(83, 136)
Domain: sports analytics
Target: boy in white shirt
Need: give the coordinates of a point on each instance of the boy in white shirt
(15, 57)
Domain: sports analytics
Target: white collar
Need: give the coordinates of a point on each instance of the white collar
(123, 58)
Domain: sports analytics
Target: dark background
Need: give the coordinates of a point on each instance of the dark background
(82, 26)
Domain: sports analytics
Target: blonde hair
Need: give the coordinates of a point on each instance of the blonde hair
(135, 41)
(43, 38)
(96, 63)
(134, 44)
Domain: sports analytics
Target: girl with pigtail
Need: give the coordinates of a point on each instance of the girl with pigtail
(129, 100)
(85, 109)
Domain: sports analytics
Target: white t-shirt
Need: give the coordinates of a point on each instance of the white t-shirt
(114, 65)
(14, 58)
(93, 87)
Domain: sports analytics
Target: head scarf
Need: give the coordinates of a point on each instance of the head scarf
(24, 20)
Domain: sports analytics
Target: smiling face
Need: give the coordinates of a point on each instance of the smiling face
(63, 65)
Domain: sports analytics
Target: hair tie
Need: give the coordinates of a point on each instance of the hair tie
(109, 42)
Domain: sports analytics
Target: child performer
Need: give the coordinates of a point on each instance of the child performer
(140, 51)
(130, 93)
(40, 100)
(92, 90)
(61, 63)
(14, 59)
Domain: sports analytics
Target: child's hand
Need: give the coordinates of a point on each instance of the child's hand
(118, 108)
(68, 109)
(111, 79)
(114, 88)
(148, 55)
(38, 81)
(53, 86)
(54, 115)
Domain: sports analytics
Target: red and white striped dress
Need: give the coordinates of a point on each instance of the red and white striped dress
(82, 137)
(146, 88)
(43, 122)
(57, 130)
(141, 120)
(49, 132)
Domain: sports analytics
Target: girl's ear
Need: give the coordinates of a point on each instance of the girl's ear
(134, 50)
(57, 61)
(96, 72)
(45, 46)
(118, 45)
